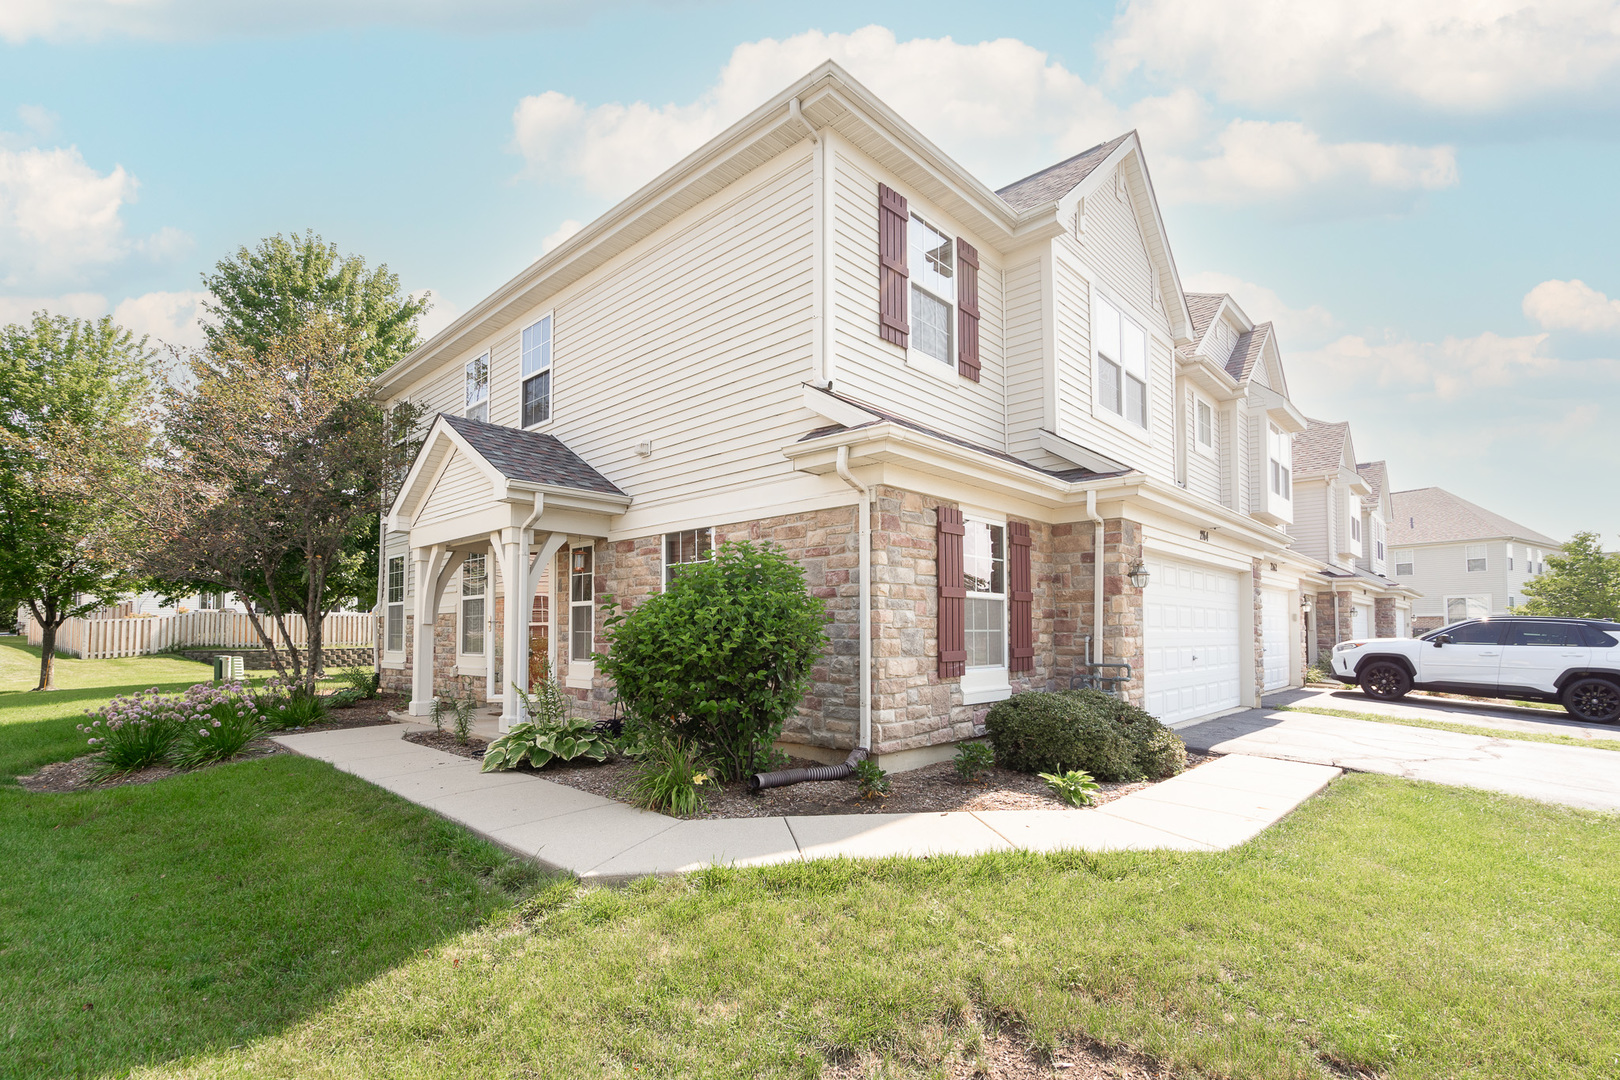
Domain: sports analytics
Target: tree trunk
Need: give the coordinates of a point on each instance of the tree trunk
(47, 656)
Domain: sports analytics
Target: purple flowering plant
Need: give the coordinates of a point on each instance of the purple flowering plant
(205, 724)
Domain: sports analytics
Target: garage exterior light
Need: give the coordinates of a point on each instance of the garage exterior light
(1139, 576)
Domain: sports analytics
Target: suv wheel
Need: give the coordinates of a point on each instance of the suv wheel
(1385, 680)
(1594, 700)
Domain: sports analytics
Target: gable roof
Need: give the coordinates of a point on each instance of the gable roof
(1251, 345)
(1433, 515)
(1202, 309)
(530, 456)
(1055, 181)
(1376, 473)
(1320, 447)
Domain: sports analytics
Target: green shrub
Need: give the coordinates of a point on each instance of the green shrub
(872, 781)
(287, 705)
(347, 698)
(721, 657)
(1074, 787)
(973, 760)
(1159, 751)
(366, 682)
(539, 746)
(1037, 732)
(671, 779)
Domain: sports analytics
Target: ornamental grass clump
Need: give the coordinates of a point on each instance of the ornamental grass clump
(133, 732)
(285, 703)
(223, 721)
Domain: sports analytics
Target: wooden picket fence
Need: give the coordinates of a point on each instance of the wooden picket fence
(104, 639)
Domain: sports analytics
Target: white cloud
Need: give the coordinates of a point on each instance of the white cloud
(38, 119)
(1445, 370)
(1264, 160)
(59, 216)
(20, 309)
(170, 318)
(1572, 305)
(1461, 56)
(1297, 328)
(1003, 108)
(561, 233)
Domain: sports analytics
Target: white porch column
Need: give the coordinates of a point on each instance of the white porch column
(434, 567)
(522, 579)
(496, 563)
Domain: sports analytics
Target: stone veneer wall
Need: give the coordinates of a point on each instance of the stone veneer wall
(1258, 625)
(1327, 635)
(1123, 629)
(1384, 616)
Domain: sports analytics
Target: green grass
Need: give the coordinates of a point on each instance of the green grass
(1461, 729)
(278, 918)
(39, 726)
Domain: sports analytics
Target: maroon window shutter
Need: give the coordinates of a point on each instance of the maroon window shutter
(893, 276)
(967, 310)
(1020, 618)
(952, 595)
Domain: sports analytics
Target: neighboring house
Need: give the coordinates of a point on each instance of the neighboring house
(1463, 560)
(1342, 520)
(977, 419)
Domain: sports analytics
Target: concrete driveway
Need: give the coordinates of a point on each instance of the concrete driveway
(1475, 713)
(1571, 775)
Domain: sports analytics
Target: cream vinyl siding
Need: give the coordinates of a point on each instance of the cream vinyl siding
(1219, 342)
(1203, 469)
(462, 487)
(1112, 243)
(1440, 570)
(1310, 526)
(869, 368)
(1027, 391)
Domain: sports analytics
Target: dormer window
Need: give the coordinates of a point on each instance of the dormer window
(1121, 364)
(1281, 449)
(478, 388)
(933, 291)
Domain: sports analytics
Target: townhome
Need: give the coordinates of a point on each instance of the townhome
(1463, 560)
(1342, 521)
(987, 423)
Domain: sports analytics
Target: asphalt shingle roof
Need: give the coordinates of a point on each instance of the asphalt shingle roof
(1376, 473)
(1320, 447)
(1052, 183)
(1435, 516)
(531, 456)
(1201, 308)
(1246, 353)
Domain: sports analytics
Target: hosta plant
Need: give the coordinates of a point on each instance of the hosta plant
(1074, 787)
(973, 760)
(537, 746)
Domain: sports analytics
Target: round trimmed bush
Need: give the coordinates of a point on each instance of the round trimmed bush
(1111, 739)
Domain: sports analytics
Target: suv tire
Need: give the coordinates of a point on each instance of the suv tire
(1592, 700)
(1385, 680)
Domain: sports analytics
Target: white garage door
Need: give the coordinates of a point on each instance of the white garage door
(1361, 621)
(1191, 640)
(1274, 631)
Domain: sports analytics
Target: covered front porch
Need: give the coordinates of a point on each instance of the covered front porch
(489, 508)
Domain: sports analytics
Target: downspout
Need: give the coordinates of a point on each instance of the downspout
(1096, 574)
(863, 747)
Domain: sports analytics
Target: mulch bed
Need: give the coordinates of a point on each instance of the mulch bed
(74, 775)
(930, 789)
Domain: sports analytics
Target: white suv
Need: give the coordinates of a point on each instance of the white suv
(1575, 662)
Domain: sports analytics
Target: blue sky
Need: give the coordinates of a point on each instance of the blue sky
(1423, 200)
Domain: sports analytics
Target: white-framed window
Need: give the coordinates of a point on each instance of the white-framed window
(1510, 566)
(537, 372)
(474, 582)
(1121, 347)
(1513, 602)
(581, 605)
(681, 548)
(1404, 563)
(210, 601)
(478, 388)
(1203, 426)
(1355, 526)
(395, 640)
(1475, 557)
(984, 574)
(1280, 454)
(931, 258)
(1459, 608)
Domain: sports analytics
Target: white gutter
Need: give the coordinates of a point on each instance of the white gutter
(1096, 572)
(865, 741)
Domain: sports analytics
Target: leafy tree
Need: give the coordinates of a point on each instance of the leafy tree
(1583, 582)
(278, 457)
(721, 657)
(73, 435)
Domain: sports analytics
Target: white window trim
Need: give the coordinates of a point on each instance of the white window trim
(663, 551)
(581, 673)
(473, 663)
(1395, 560)
(949, 370)
(1284, 467)
(1483, 557)
(1207, 449)
(468, 406)
(395, 655)
(1108, 416)
(523, 380)
(1445, 606)
(990, 682)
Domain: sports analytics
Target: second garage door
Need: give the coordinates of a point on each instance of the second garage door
(1191, 640)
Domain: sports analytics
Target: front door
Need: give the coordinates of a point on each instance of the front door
(1472, 657)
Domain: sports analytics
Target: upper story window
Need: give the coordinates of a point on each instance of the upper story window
(1204, 426)
(1121, 364)
(682, 548)
(1355, 524)
(478, 388)
(537, 373)
(984, 575)
(1378, 539)
(1510, 556)
(396, 605)
(581, 605)
(933, 291)
(473, 580)
(1280, 451)
(1475, 556)
(1404, 566)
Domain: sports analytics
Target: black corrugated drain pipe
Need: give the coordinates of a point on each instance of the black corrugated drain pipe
(761, 781)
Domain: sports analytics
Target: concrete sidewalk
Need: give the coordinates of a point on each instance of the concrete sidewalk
(1571, 775)
(1216, 806)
